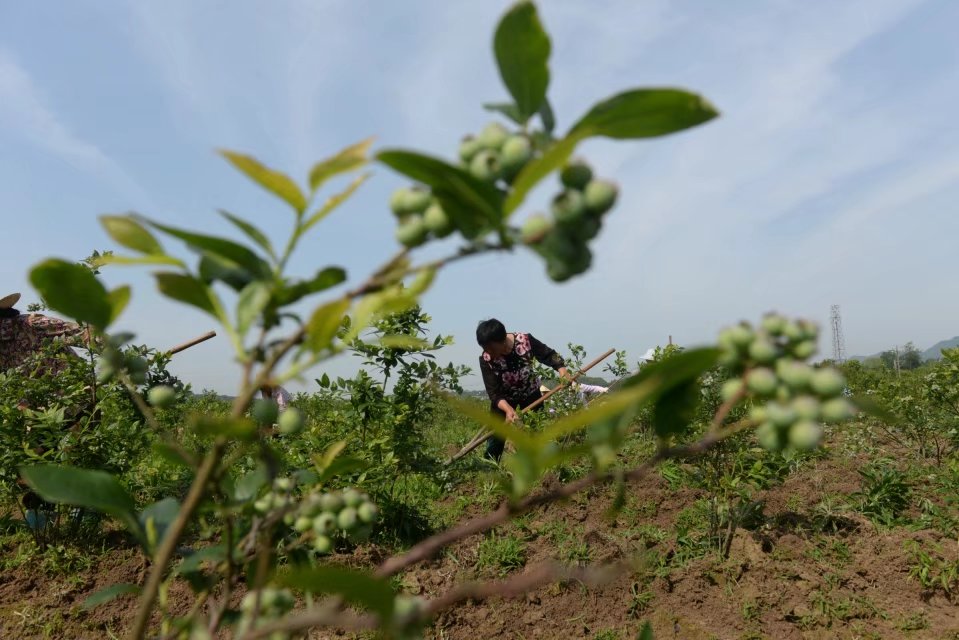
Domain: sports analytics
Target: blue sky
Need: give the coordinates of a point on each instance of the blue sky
(831, 177)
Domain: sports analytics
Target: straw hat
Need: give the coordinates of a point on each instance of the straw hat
(7, 302)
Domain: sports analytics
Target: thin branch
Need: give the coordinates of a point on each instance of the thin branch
(329, 615)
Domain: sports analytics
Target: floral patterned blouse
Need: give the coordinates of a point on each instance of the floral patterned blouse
(22, 336)
(511, 377)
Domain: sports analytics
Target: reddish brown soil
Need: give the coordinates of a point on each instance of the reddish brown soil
(782, 581)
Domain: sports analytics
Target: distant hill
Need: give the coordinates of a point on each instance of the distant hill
(932, 353)
(935, 351)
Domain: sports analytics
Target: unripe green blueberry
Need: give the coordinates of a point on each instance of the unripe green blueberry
(283, 484)
(417, 199)
(412, 231)
(763, 350)
(136, 364)
(804, 349)
(437, 221)
(805, 435)
(758, 413)
(486, 166)
(795, 374)
(263, 504)
(773, 324)
(587, 228)
(535, 228)
(311, 505)
(138, 377)
(347, 518)
(581, 262)
(264, 411)
(290, 421)
(769, 437)
(322, 544)
(406, 608)
(731, 389)
(331, 502)
(268, 598)
(249, 601)
(837, 410)
(279, 501)
(600, 196)
(303, 523)
(780, 415)
(398, 201)
(808, 329)
(576, 174)
(762, 381)
(737, 337)
(568, 207)
(353, 498)
(515, 153)
(469, 147)
(493, 136)
(792, 331)
(368, 512)
(324, 523)
(161, 396)
(559, 271)
(806, 408)
(289, 519)
(827, 383)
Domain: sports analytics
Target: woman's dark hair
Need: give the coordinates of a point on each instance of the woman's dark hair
(490, 332)
(8, 313)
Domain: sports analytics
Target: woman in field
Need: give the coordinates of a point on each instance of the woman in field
(507, 368)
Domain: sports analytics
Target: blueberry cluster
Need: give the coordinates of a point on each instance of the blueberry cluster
(792, 398)
(322, 516)
(577, 215)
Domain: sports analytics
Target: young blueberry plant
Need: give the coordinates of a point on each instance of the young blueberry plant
(244, 526)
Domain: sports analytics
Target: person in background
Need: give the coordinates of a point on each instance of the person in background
(278, 394)
(506, 365)
(23, 335)
(584, 392)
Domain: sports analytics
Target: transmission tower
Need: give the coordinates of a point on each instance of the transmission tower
(838, 340)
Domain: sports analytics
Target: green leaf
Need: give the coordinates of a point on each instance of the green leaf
(226, 249)
(250, 484)
(342, 466)
(143, 260)
(400, 341)
(213, 268)
(324, 323)
(472, 205)
(251, 232)
(644, 113)
(523, 440)
(226, 426)
(119, 299)
(279, 184)
(252, 301)
(333, 202)
(131, 234)
(869, 405)
(157, 518)
(551, 160)
(547, 116)
(72, 289)
(214, 554)
(522, 50)
(172, 454)
(676, 408)
(84, 488)
(107, 594)
(323, 280)
(646, 633)
(356, 587)
(185, 289)
(348, 159)
(508, 109)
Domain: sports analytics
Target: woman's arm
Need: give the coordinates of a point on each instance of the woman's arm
(548, 356)
(495, 391)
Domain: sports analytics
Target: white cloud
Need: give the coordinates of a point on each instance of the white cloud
(24, 112)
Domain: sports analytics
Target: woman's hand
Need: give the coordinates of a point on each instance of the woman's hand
(508, 410)
(564, 374)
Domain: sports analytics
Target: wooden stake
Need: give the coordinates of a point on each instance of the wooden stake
(186, 345)
(483, 434)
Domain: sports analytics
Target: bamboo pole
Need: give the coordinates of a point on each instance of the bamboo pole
(483, 434)
(186, 345)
